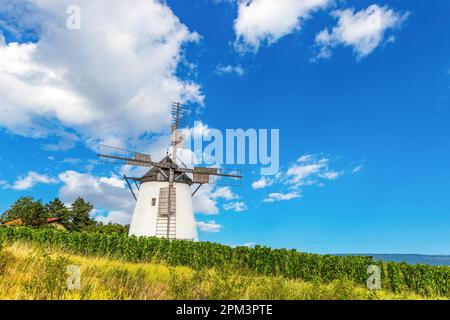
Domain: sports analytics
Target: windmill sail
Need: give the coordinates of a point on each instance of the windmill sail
(217, 176)
(179, 121)
(203, 175)
(113, 154)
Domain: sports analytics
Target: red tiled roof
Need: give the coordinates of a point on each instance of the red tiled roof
(20, 221)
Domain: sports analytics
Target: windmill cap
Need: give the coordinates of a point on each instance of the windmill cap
(156, 174)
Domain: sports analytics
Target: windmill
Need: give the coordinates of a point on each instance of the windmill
(164, 206)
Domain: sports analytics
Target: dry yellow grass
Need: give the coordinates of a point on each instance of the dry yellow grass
(30, 272)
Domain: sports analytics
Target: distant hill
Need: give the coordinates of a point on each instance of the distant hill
(433, 260)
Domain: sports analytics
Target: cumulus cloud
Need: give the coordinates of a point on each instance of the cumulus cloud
(277, 196)
(206, 199)
(32, 179)
(112, 81)
(119, 217)
(224, 193)
(66, 141)
(331, 175)
(308, 170)
(203, 201)
(305, 158)
(108, 194)
(266, 21)
(235, 206)
(262, 183)
(364, 30)
(229, 69)
(209, 227)
(72, 161)
(302, 173)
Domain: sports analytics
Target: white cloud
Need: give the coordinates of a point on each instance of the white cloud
(262, 183)
(65, 142)
(112, 81)
(209, 227)
(72, 161)
(229, 69)
(32, 179)
(119, 217)
(205, 200)
(313, 170)
(305, 158)
(331, 175)
(301, 173)
(266, 21)
(108, 194)
(236, 206)
(224, 193)
(276, 196)
(364, 30)
(200, 129)
(308, 170)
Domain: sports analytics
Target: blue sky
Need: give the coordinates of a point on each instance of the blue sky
(366, 107)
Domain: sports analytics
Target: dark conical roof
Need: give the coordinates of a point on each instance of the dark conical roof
(155, 174)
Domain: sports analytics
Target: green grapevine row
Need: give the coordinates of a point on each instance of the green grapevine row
(397, 277)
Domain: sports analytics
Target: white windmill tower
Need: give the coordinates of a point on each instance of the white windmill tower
(164, 206)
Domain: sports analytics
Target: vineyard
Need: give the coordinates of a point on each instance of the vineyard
(425, 280)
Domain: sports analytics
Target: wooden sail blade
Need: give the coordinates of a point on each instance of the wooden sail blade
(220, 172)
(202, 175)
(227, 177)
(113, 154)
(179, 121)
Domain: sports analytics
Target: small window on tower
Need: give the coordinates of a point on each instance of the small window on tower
(153, 202)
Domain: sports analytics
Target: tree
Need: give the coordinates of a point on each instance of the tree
(57, 209)
(80, 215)
(31, 212)
(36, 215)
(17, 209)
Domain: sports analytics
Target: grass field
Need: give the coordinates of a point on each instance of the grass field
(30, 271)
